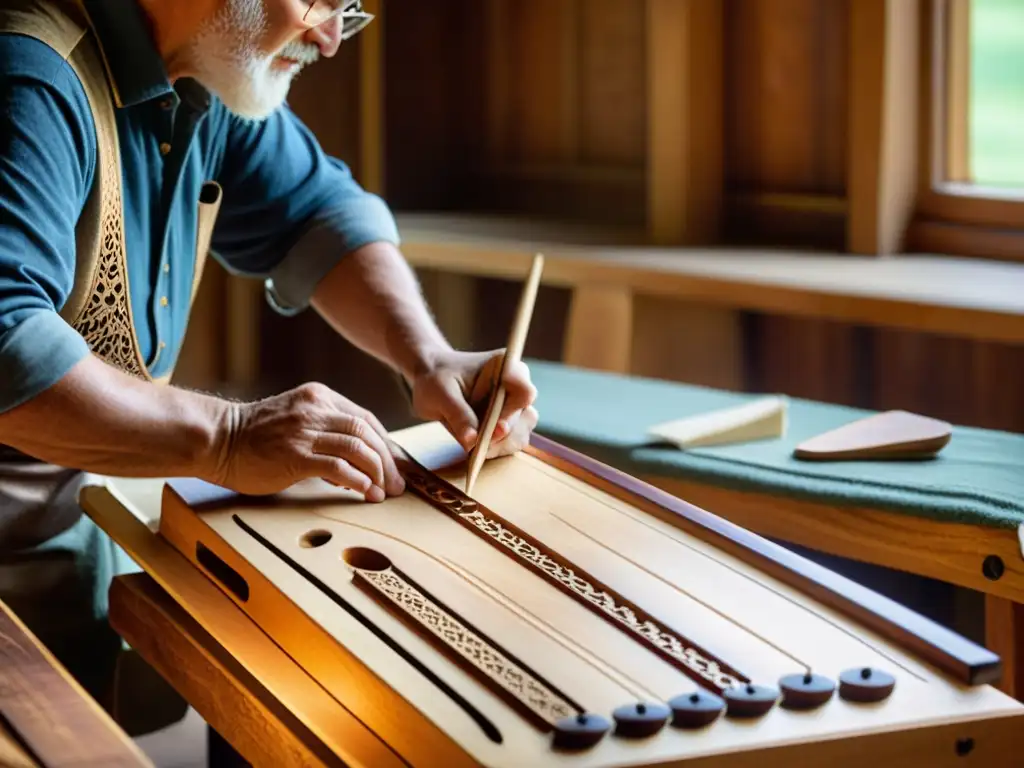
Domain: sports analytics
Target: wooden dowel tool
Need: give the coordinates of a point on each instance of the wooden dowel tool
(513, 354)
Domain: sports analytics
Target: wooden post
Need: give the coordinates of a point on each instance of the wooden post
(685, 119)
(1004, 633)
(686, 178)
(599, 335)
(883, 135)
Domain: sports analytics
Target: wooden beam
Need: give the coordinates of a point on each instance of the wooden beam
(883, 155)
(685, 120)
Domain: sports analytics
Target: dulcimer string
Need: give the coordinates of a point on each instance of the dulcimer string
(828, 620)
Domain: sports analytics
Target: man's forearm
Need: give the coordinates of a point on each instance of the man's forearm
(98, 419)
(373, 299)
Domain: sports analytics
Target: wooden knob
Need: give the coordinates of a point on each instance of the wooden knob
(695, 710)
(750, 700)
(806, 690)
(637, 721)
(580, 732)
(866, 685)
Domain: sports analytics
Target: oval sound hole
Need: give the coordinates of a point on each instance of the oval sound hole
(315, 539)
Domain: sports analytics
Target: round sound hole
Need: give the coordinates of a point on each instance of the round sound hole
(314, 539)
(364, 559)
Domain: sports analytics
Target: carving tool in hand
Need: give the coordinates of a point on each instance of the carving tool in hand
(513, 354)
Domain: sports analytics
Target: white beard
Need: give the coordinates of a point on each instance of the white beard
(228, 61)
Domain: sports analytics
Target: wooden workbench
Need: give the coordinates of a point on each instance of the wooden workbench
(46, 718)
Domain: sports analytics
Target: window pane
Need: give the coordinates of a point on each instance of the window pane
(997, 92)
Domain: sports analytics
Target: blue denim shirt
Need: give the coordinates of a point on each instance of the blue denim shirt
(288, 213)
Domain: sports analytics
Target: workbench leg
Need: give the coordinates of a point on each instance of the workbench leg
(1004, 635)
(599, 334)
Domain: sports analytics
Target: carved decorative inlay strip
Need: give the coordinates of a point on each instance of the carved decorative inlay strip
(509, 677)
(691, 659)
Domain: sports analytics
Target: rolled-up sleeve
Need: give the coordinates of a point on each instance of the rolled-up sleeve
(47, 158)
(290, 212)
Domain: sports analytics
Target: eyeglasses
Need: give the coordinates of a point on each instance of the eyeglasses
(354, 18)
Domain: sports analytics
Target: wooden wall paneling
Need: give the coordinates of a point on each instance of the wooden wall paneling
(612, 101)
(997, 376)
(685, 164)
(562, 111)
(431, 101)
(812, 359)
(542, 55)
(372, 88)
(885, 38)
(326, 97)
(776, 56)
(453, 301)
(688, 342)
(685, 177)
(833, 107)
(963, 381)
(786, 116)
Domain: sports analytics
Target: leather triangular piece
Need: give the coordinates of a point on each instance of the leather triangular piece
(889, 435)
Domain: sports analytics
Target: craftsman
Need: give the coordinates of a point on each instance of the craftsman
(210, 158)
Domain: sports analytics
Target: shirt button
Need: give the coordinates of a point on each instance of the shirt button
(163, 301)
(166, 104)
(167, 268)
(165, 148)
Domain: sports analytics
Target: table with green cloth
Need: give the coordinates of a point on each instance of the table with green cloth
(954, 518)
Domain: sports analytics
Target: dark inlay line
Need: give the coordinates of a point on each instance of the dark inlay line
(489, 728)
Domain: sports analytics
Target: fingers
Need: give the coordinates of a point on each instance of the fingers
(520, 393)
(356, 453)
(339, 472)
(518, 438)
(457, 415)
(358, 423)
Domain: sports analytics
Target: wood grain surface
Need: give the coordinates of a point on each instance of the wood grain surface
(48, 719)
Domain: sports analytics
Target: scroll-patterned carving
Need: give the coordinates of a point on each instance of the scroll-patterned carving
(375, 573)
(692, 660)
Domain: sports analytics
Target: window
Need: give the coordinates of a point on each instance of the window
(972, 181)
(994, 108)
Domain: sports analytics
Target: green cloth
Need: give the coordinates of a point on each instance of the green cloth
(977, 478)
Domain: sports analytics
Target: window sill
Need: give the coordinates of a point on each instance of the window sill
(963, 297)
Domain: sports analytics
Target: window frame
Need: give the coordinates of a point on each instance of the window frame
(953, 215)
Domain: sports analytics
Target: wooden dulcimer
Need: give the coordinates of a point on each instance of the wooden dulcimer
(566, 614)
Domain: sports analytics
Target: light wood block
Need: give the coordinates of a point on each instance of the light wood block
(760, 419)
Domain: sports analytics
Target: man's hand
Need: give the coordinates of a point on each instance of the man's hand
(308, 432)
(455, 390)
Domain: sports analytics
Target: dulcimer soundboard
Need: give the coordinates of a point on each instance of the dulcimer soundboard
(569, 615)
